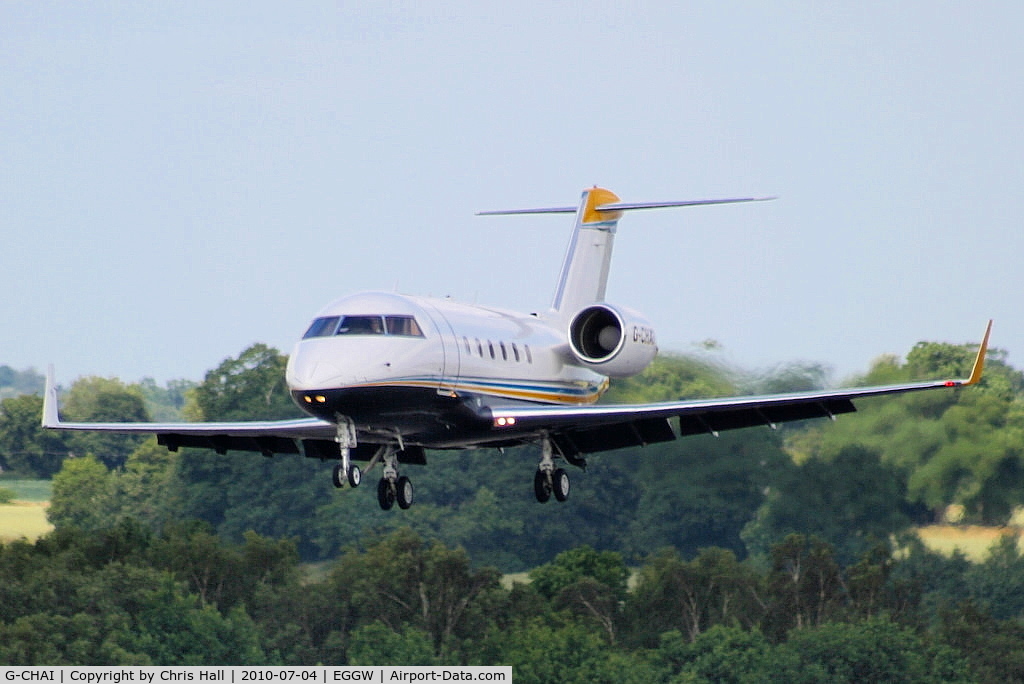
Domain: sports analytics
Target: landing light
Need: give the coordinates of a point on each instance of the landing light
(309, 399)
(320, 399)
(504, 422)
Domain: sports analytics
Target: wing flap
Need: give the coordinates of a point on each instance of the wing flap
(574, 442)
(716, 421)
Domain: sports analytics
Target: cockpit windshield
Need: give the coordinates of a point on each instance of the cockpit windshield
(361, 325)
(402, 326)
(322, 327)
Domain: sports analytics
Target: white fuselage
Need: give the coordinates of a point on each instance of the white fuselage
(365, 342)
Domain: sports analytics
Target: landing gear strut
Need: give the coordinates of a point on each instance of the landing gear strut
(346, 472)
(392, 486)
(548, 479)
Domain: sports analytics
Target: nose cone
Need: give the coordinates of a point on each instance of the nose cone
(308, 369)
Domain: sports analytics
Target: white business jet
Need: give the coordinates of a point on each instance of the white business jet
(386, 376)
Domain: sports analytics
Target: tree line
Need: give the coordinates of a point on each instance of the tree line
(126, 595)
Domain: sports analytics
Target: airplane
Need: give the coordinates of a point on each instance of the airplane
(385, 376)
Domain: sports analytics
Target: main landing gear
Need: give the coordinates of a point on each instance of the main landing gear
(392, 487)
(550, 480)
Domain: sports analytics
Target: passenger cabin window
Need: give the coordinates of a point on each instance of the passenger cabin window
(322, 327)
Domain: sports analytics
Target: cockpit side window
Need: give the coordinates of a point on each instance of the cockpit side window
(403, 325)
(322, 327)
(361, 325)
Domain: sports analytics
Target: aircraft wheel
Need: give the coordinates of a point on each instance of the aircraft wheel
(403, 492)
(338, 476)
(355, 475)
(560, 484)
(541, 486)
(385, 495)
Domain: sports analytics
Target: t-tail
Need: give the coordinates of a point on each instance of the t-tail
(584, 274)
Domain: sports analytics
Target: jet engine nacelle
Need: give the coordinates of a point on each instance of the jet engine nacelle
(612, 341)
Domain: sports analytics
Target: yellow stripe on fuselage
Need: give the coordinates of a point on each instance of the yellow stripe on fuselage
(547, 397)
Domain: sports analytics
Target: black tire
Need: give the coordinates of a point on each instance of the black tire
(385, 495)
(404, 492)
(541, 487)
(355, 475)
(560, 484)
(338, 476)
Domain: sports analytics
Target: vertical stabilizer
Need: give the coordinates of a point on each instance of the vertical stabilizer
(587, 259)
(585, 269)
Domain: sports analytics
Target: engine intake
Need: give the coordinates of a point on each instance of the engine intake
(615, 342)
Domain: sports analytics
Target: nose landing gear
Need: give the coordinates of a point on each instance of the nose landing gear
(346, 472)
(392, 487)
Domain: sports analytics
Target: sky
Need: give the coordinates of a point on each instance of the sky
(179, 180)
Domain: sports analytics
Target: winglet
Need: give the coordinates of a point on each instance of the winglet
(50, 417)
(979, 361)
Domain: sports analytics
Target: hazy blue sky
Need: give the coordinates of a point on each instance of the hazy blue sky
(179, 180)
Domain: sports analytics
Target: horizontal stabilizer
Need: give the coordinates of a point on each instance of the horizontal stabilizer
(625, 206)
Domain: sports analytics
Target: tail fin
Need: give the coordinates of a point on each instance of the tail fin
(584, 273)
(589, 254)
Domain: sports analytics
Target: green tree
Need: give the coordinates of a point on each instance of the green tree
(402, 580)
(25, 447)
(248, 387)
(994, 649)
(146, 489)
(377, 644)
(805, 585)
(851, 501)
(702, 490)
(730, 654)
(241, 491)
(607, 567)
(997, 583)
(545, 650)
(953, 447)
(104, 400)
(81, 497)
(690, 597)
(876, 650)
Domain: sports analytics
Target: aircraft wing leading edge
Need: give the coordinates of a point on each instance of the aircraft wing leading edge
(588, 429)
(267, 436)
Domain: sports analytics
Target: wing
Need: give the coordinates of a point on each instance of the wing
(307, 436)
(587, 429)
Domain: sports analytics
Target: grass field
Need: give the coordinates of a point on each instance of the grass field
(973, 541)
(26, 516)
(23, 519)
(28, 490)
